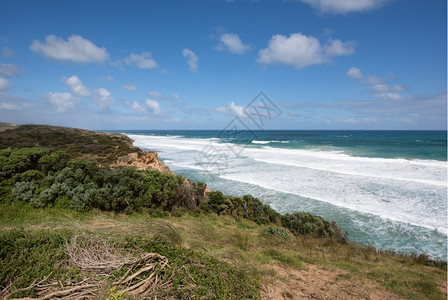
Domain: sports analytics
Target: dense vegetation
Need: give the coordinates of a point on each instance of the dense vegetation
(41, 177)
(105, 148)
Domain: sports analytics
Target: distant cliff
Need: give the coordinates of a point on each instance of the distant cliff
(106, 148)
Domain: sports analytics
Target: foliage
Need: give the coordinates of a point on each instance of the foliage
(74, 142)
(36, 180)
(308, 224)
(276, 232)
(247, 207)
(43, 177)
(26, 258)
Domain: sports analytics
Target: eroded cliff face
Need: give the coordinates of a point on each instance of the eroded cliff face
(144, 160)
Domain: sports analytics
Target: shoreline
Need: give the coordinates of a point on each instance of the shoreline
(440, 256)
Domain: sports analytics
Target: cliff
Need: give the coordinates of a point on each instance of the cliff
(107, 148)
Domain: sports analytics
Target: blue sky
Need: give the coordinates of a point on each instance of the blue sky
(326, 64)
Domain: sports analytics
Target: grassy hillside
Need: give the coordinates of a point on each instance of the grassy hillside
(77, 143)
(71, 226)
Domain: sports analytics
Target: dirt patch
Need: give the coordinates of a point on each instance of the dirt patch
(315, 282)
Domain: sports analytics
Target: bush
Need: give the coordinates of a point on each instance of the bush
(307, 224)
(24, 191)
(276, 232)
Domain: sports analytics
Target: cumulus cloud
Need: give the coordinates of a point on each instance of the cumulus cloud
(8, 70)
(102, 97)
(142, 61)
(129, 87)
(7, 52)
(137, 107)
(233, 43)
(344, 6)
(154, 106)
(232, 109)
(338, 48)
(354, 73)
(192, 59)
(61, 101)
(300, 51)
(76, 49)
(76, 86)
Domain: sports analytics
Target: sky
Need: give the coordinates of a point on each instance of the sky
(324, 64)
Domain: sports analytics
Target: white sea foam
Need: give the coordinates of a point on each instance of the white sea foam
(260, 142)
(402, 190)
(267, 142)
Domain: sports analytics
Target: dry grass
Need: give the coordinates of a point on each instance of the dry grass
(96, 259)
(243, 243)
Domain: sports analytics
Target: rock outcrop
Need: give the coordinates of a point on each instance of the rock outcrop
(144, 160)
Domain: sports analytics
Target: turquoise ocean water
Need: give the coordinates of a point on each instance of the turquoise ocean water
(386, 188)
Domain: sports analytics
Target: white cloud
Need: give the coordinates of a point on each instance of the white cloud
(232, 109)
(8, 70)
(192, 59)
(7, 52)
(137, 107)
(9, 106)
(75, 49)
(299, 50)
(142, 61)
(237, 110)
(155, 94)
(11, 103)
(102, 98)
(354, 73)
(233, 43)
(378, 86)
(76, 86)
(155, 106)
(344, 6)
(61, 101)
(4, 84)
(160, 96)
(129, 87)
(338, 48)
(429, 107)
(359, 120)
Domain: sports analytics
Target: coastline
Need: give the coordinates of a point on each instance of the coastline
(291, 254)
(283, 197)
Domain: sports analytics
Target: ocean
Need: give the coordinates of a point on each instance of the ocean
(388, 189)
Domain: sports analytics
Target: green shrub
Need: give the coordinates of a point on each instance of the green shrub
(276, 232)
(307, 224)
(24, 191)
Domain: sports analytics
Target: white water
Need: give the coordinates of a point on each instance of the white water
(408, 193)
